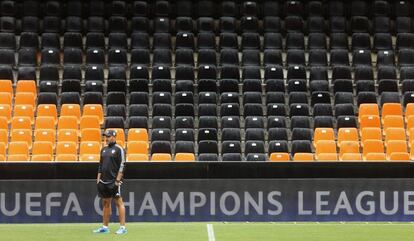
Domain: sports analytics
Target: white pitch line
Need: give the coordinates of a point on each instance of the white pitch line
(210, 232)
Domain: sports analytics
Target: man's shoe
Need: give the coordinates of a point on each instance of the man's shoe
(101, 230)
(121, 231)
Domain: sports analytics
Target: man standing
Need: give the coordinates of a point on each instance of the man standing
(109, 180)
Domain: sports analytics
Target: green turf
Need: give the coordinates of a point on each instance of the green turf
(223, 232)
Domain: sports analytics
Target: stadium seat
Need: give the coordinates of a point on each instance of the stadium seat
(347, 134)
(24, 111)
(71, 110)
(45, 135)
(90, 151)
(351, 157)
(22, 135)
(66, 151)
(161, 157)
(372, 146)
(21, 123)
(47, 110)
(67, 135)
(42, 151)
(89, 121)
(94, 109)
(2, 151)
(279, 157)
(18, 151)
(6, 112)
(184, 157)
(303, 157)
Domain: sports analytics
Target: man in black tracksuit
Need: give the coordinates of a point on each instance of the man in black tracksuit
(110, 173)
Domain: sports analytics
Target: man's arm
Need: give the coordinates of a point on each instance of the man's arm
(121, 166)
(98, 177)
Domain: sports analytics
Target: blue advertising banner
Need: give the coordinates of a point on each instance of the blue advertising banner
(49, 201)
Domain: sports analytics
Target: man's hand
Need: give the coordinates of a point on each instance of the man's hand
(118, 183)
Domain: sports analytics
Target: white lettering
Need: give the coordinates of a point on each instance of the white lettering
(196, 204)
(370, 204)
(166, 201)
(236, 200)
(31, 204)
(50, 203)
(16, 208)
(148, 204)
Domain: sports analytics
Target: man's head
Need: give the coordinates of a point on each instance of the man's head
(110, 137)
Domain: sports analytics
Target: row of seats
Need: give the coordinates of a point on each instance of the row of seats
(205, 8)
(204, 41)
(227, 57)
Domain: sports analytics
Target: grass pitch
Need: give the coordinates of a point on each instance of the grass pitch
(222, 232)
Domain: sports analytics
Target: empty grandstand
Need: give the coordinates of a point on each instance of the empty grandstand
(207, 81)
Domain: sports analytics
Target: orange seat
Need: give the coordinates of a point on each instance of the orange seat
(89, 121)
(94, 109)
(410, 133)
(303, 157)
(47, 110)
(25, 98)
(67, 135)
(393, 121)
(48, 135)
(138, 134)
(327, 157)
(45, 122)
(409, 111)
(71, 110)
(137, 147)
(372, 146)
(6, 86)
(67, 122)
(184, 157)
(396, 146)
(66, 151)
(391, 109)
(370, 134)
(22, 135)
(6, 98)
(18, 151)
(348, 147)
(347, 134)
(351, 157)
(399, 156)
(3, 123)
(120, 136)
(24, 110)
(369, 121)
(395, 134)
(325, 146)
(375, 156)
(279, 157)
(21, 123)
(323, 134)
(368, 109)
(137, 157)
(161, 157)
(5, 111)
(4, 136)
(42, 151)
(412, 152)
(91, 134)
(90, 151)
(2, 151)
(26, 86)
